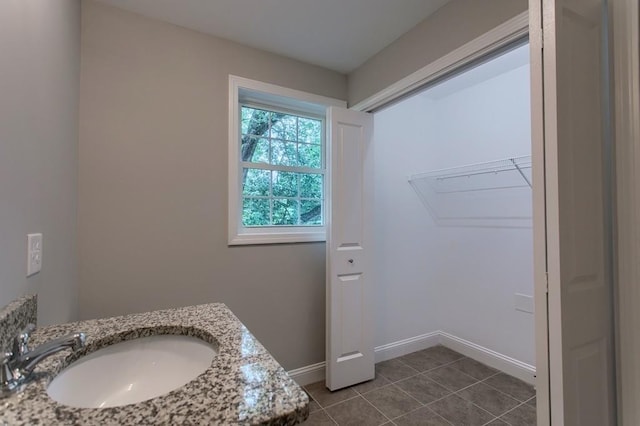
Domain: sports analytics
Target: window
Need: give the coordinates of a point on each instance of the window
(282, 168)
(277, 182)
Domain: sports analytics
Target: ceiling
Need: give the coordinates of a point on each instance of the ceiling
(335, 34)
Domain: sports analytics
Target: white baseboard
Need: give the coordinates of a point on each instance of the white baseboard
(406, 346)
(310, 374)
(316, 372)
(519, 369)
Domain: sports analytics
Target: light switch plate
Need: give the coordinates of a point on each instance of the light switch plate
(34, 254)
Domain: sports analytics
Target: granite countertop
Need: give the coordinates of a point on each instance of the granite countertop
(243, 385)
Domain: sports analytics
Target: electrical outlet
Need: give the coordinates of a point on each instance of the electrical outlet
(34, 254)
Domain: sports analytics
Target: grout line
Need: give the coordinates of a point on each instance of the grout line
(418, 372)
(473, 403)
(330, 418)
(391, 382)
(378, 410)
(409, 412)
(401, 362)
(421, 404)
(452, 390)
(457, 393)
(311, 398)
(427, 405)
(424, 406)
(495, 417)
(446, 364)
(503, 392)
(488, 377)
(374, 389)
(410, 396)
(513, 409)
(344, 400)
(445, 420)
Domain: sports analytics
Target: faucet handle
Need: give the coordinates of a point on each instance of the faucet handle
(21, 340)
(7, 376)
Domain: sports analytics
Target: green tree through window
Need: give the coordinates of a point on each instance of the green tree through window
(282, 174)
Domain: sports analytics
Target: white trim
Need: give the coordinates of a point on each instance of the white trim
(501, 36)
(541, 311)
(406, 346)
(276, 238)
(281, 97)
(316, 372)
(262, 90)
(626, 42)
(506, 364)
(310, 374)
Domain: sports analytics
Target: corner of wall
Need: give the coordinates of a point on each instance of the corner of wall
(456, 23)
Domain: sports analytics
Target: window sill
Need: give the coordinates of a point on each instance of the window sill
(276, 238)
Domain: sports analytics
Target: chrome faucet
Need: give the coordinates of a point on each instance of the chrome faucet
(17, 366)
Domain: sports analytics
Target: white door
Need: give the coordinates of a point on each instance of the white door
(574, 65)
(349, 238)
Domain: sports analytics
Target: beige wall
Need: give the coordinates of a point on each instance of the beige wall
(153, 183)
(453, 25)
(39, 76)
(153, 168)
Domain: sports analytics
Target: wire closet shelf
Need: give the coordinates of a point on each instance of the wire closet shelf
(491, 194)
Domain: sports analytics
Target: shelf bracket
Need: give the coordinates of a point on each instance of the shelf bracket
(520, 171)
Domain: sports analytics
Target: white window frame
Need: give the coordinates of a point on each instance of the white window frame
(246, 91)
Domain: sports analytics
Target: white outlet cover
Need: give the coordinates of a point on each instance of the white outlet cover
(34, 254)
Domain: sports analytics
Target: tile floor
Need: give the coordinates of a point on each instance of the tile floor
(432, 387)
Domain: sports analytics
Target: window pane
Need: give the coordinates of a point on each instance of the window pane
(309, 130)
(275, 198)
(285, 184)
(311, 212)
(309, 155)
(285, 212)
(255, 182)
(255, 150)
(283, 153)
(284, 127)
(255, 121)
(255, 212)
(310, 185)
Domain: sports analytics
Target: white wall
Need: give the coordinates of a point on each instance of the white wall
(404, 303)
(39, 79)
(458, 280)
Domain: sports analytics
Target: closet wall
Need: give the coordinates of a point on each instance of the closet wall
(460, 280)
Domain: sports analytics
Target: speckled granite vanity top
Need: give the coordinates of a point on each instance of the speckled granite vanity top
(243, 385)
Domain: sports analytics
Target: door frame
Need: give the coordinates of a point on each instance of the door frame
(529, 24)
(626, 54)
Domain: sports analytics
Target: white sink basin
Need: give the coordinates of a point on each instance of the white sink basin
(132, 371)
